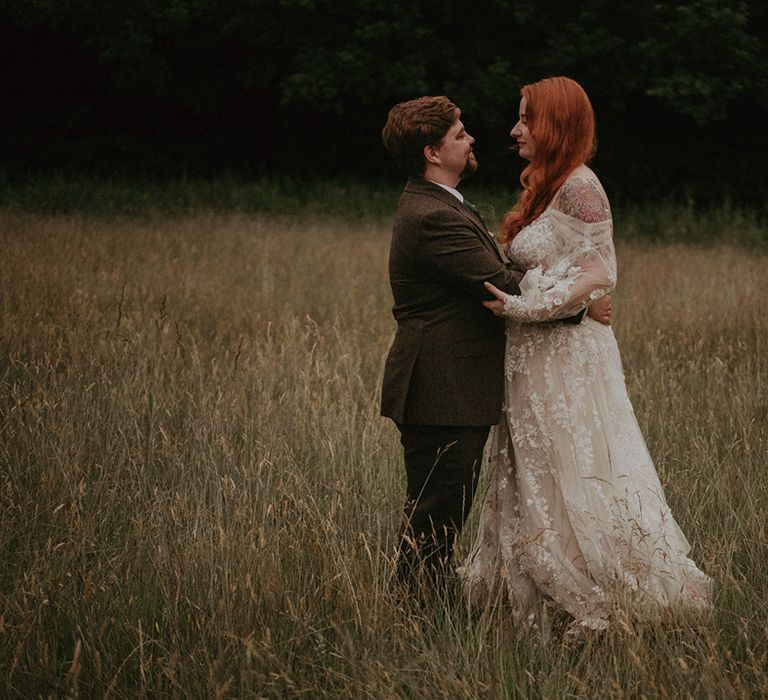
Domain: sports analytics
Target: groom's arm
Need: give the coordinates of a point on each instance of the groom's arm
(451, 246)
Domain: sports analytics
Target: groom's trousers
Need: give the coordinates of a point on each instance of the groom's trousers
(442, 465)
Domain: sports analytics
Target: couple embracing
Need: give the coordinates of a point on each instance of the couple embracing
(574, 515)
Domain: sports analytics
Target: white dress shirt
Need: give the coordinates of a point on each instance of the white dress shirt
(453, 191)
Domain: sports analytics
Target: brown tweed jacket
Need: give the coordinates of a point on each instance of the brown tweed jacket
(445, 366)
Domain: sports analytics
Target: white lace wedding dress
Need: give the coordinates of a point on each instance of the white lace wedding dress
(574, 513)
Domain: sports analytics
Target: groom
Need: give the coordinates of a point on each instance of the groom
(443, 377)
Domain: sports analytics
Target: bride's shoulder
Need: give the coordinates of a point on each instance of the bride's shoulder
(582, 177)
(583, 172)
(582, 197)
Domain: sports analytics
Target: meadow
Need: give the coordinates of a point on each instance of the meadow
(199, 498)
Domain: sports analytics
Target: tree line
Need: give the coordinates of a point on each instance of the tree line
(302, 87)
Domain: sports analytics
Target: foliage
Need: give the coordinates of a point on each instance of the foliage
(666, 219)
(304, 85)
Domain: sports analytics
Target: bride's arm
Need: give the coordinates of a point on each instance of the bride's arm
(585, 269)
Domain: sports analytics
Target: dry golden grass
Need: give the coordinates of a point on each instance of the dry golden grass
(198, 497)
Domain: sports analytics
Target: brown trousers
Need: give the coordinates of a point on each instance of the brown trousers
(442, 464)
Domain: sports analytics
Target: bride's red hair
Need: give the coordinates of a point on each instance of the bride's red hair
(562, 124)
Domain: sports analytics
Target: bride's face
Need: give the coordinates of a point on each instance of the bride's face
(525, 143)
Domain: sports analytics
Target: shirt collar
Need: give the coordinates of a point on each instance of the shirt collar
(453, 191)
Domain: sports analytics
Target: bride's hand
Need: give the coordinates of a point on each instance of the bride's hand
(497, 305)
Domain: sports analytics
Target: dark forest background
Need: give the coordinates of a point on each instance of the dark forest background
(301, 88)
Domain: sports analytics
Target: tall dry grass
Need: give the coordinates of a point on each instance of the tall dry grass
(198, 497)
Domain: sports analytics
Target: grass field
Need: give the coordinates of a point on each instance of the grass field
(198, 497)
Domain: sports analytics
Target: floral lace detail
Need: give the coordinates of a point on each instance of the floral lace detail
(583, 199)
(568, 252)
(574, 512)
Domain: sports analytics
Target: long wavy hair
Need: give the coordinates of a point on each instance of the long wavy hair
(562, 124)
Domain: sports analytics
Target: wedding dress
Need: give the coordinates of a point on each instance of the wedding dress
(574, 513)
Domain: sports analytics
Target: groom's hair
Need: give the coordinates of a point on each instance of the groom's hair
(413, 125)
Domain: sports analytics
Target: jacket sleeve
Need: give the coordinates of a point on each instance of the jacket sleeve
(452, 248)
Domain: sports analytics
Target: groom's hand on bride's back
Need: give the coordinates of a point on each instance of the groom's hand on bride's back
(601, 310)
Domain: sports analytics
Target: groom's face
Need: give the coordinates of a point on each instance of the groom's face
(455, 151)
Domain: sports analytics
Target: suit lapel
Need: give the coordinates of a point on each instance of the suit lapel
(430, 189)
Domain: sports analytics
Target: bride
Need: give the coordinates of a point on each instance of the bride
(574, 513)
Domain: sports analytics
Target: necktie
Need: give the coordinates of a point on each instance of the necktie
(477, 213)
(474, 210)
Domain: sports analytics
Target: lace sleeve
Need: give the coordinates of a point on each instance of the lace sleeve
(583, 199)
(584, 269)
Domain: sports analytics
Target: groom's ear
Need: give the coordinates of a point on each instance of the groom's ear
(430, 155)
